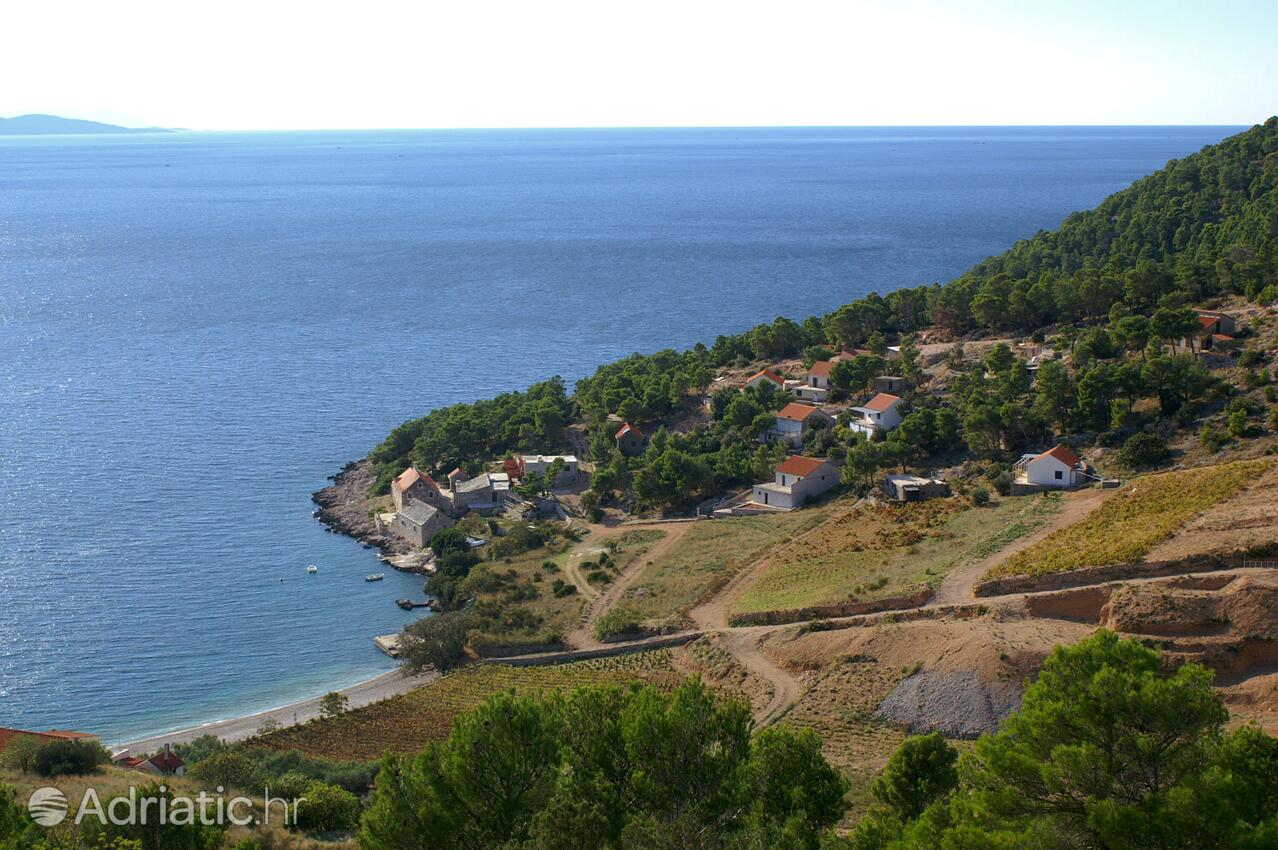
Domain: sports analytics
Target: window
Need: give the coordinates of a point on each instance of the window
(1059, 475)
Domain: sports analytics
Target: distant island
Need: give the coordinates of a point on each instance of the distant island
(54, 125)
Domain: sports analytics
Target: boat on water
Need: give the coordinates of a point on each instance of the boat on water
(375, 577)
(312, 569)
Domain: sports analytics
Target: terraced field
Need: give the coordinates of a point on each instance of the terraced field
(1146, 512)
(886, 550)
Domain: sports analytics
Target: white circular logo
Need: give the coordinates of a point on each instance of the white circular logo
(48, 806)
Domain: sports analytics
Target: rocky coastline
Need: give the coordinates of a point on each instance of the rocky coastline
(344, 507)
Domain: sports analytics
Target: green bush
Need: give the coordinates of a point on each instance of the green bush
(69, 758)
(617, 622)
(1144, 450)
(228, 769)
(327, 808)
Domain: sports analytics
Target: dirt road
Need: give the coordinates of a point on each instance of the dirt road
(958, 585)
(583, 637)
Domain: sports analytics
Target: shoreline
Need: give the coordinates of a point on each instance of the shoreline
(376, 689)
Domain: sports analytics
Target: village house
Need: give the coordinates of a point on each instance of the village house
(795, 420)
(1217, 332)
(891, 384)
(476, 494)
(816, 388)
(797, 480)
(914, 488)
(541, 464)
(164, 763)
(877, 416)
(411, 484)
(417, 522)
(8, 736)
(630, 440)
(766, 376)
(1055, 469)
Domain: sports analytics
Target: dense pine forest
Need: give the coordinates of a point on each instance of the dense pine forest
(1112, 285)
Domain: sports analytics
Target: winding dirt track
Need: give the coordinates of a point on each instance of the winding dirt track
(583, 637)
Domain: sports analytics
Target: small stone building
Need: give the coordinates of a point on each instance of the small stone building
(418, 522)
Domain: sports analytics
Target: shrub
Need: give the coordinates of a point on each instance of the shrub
(980, 496)
(618, 621)
(229, 769)
(327, 808)
(1143, 450)
(69, 758)
(1212, 438)
(1238, 423)
(20, 755)
(437, 642)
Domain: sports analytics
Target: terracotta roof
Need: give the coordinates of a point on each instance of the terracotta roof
(1062, 454)
(821, 368)
(796, 412)
(1208, 321)
(7, 735)
(770, 375)
(628, 429)
(411, 476)
(881, 402)
(800, 466)
(166, 762)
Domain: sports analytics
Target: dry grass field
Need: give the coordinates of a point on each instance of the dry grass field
(707, 556)
(406, 722)
(889, 549)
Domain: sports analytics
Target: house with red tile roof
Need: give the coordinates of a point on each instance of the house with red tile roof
(8, 736)
(1217, 331)
(796, 419)
(630, 440)
(164, 763)
(1055, 469)
(412, 484)
(796, 480)
(877, 416)
(765, 376)
(816, 386)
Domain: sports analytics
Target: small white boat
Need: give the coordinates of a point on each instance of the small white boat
(312, 569)
(375, 577)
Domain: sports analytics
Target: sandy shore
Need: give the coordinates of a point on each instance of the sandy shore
(237, 729)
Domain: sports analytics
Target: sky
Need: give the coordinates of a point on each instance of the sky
(284, 64)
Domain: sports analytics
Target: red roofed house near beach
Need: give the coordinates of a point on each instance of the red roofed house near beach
(817, 387)
(797, 480)
(411, 484)
(8, 736)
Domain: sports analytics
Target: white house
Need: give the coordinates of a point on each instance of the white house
(529, 464)
(797, 480)
(816, 386)
(767, 376)
(877, 416)
(796, 419)
(1054, 469)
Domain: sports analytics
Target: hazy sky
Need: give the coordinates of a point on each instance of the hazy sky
(263, 64)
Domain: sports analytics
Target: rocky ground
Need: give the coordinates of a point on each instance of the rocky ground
(344, 507)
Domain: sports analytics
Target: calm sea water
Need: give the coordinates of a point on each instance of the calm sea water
(196, 330)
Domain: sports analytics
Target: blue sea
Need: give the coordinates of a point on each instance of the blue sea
(197, 329)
